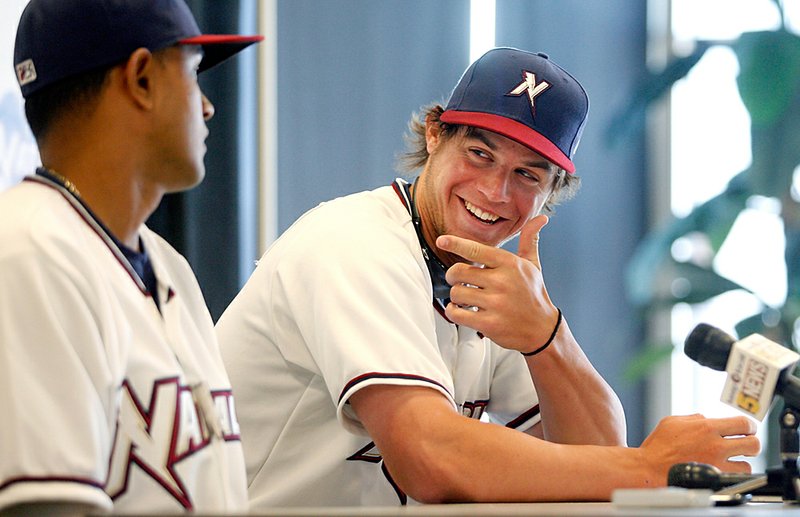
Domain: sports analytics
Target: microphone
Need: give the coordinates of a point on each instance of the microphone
(702, 475)
(757, 368)
(695, 475)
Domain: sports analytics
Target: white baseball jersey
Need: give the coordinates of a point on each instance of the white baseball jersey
(341, 301)
(105, 400)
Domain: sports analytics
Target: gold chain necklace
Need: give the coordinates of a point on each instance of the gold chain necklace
(64, 181)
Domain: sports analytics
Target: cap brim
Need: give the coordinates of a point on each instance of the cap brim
(219, 47)
(511, 129)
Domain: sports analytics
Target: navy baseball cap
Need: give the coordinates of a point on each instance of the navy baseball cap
(58, 39)
(525, 97)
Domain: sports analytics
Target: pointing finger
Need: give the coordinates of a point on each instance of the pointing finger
(470, 250)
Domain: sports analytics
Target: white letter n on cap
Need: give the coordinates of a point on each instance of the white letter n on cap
(26, 72)
(529, 85)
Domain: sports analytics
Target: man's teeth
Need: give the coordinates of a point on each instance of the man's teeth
(480, 214)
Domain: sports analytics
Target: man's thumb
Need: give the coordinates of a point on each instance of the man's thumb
(529, 239)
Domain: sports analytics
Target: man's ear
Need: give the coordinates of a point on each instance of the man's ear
(138, 76)
(433, 133)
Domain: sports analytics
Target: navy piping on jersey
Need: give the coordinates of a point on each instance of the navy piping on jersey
(377, 375)
(524, 417)
(116, 248)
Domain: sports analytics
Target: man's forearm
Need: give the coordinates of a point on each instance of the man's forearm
(577, 404)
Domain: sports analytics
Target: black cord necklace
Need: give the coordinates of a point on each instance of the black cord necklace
(436, 268)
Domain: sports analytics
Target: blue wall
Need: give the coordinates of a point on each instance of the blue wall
(350, 73)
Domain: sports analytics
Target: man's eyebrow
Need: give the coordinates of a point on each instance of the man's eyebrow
(481, 135)
(542, 163)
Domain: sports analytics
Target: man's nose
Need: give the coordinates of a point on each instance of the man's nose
(208, 108)
(494, 185)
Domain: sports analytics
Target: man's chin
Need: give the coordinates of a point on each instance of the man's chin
(189, 183)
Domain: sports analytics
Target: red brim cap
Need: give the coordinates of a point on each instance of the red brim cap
(514, 130)
(525, 97)
(219, 47)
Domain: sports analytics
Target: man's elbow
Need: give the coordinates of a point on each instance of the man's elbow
(436, 492)
(434, 482)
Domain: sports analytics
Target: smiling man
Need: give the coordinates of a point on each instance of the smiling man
(386, 350)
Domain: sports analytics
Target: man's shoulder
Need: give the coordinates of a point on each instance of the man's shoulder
(33, 215)
(362, 210)
(367, 223)
(20, 201)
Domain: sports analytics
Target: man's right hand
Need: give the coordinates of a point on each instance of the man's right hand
(681, 439)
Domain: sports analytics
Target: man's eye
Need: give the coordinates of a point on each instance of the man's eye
(528, 175)
(480, 153)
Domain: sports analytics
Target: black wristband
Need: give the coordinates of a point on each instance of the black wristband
(552, 337)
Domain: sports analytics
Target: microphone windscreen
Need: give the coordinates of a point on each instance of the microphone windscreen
(703, 475)
(709, 346)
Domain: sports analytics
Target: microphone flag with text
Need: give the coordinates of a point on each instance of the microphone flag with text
(757, 368)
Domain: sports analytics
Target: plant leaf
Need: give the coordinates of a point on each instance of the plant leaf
(642, 363)
(631, 117)
(769, 73)
(713, 219)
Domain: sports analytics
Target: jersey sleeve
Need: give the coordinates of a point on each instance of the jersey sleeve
(57, 427)
(363, 307)
(514, 402)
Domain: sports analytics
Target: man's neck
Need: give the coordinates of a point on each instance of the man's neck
(114, 195)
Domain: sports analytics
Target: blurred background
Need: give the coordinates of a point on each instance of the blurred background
(687, 211)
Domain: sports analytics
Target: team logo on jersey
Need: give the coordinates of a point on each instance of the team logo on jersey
(529, 86)
(26, 72)
(157, 437)
(368, 453)
(371, 454)
(474, 409)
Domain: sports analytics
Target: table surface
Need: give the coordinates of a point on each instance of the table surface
(537, 509)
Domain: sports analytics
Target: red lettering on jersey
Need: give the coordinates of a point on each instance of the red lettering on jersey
(474, 409)
(156, 437)
(223, 402)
